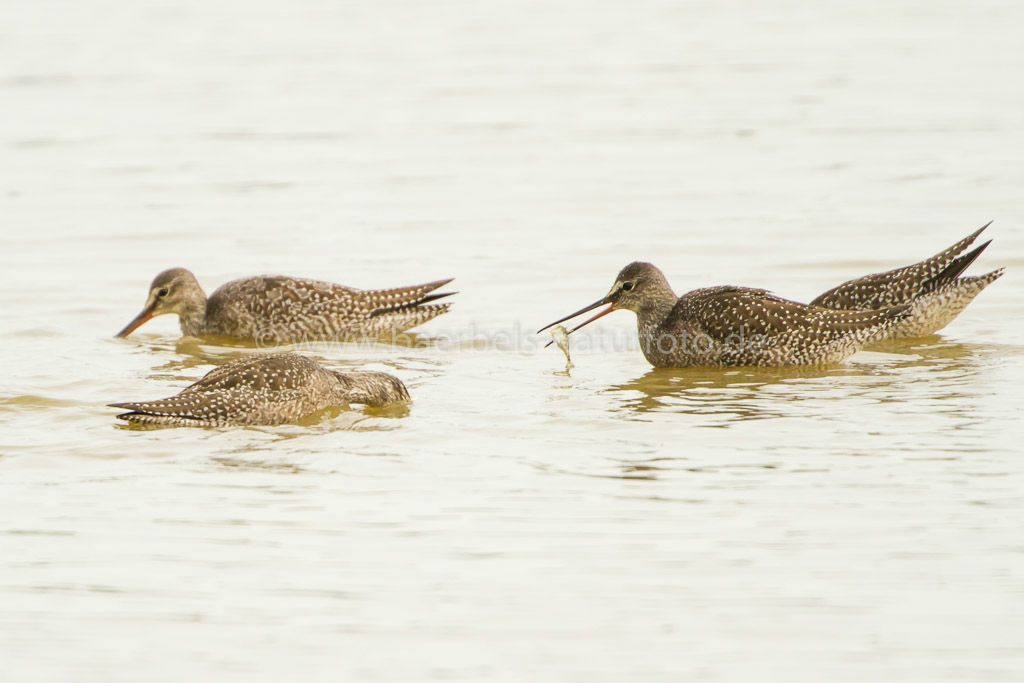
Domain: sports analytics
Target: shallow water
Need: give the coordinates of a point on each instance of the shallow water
(517, 522)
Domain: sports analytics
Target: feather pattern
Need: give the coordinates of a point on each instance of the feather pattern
(275, 309)
(264, 389)
(734, 326)
(936, 285)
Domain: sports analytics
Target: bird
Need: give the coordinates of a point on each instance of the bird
(264, 389)
(729, 326)
(937, 281)
(276, 309)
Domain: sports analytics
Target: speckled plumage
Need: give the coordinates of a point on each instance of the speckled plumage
(734, 326)
(935, 286)
(738, 326)
(265, 389)
(273, 309)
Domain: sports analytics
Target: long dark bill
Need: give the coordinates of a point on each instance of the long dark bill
(144, 317)
(596, 304)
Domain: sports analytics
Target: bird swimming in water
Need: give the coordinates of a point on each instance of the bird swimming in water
(273, 309)
(736, 326)
(265, 389)
(936, 280)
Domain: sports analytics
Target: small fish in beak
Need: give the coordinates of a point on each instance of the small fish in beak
(560, 336)
(610, 299)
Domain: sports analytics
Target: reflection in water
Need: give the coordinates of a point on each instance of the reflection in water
(728, 395)
(194, 345)
(187, 353)
(838, 409)
(815, 535)
(28, 402)
(331, 419)
(257, 465)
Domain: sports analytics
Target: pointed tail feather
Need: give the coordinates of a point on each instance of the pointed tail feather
(400, 296)
(935, 309)
(958, 247)
(166, 420)
(165, 410)
(945, 259)
(414, 304)
(984, 280)
(395, 321)
(402, 303)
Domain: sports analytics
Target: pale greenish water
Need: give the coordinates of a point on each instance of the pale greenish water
(518, 523)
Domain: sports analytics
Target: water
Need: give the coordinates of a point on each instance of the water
(616, 523)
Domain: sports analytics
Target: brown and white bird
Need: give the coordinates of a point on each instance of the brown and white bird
(736, 326)
(937, 284)
(265, 389)
(274, 309)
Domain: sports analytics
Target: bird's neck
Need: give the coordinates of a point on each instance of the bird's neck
(649, 320)
(192, 313)
(656, 306)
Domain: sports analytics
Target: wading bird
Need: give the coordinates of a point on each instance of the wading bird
(273, 309)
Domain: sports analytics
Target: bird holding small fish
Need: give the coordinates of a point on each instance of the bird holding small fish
(743, 326)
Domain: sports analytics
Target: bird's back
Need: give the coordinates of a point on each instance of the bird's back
(260, 389)
(279, 309)
(275, 308)
(731, 325)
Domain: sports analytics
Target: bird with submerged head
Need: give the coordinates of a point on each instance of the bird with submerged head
(265, 389)
(279, 309)
(734, 326)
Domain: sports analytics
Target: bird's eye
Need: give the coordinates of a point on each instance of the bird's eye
(627, 286)
(162, 292)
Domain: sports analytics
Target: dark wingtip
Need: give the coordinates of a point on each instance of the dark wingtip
(412, 305)
(962, 262)
(957, 266)
(433, 297)
(976, 252)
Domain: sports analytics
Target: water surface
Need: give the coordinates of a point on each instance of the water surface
(519, 523)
